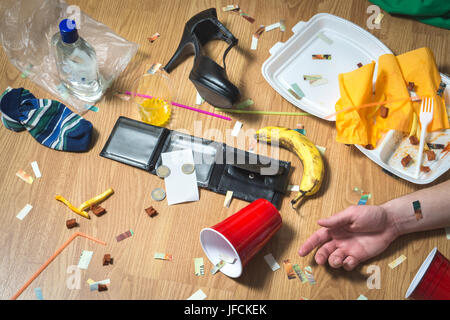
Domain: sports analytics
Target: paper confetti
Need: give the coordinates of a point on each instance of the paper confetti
(25, 176)
(363, 199)
(417, 210)
(321, 56)
(199, 295)
(122, 96)
(236, 129)
(162, 256)
(397, 261)
(293, 188)
(378, 18)
(435, 146)
(254, 44)
(124, 235)
(231, 7)
(282, 26)
(245, 104)
(94, 286)
(300, 273)
(154, 68)
(288, 268)
(312, 77)
(153, 37)
(321, 149)
(362, 297)
(228, 197)
(38, 292)
(309, 275)
(85, 259)
(319, 82)
(25, 210)
(271, 262)
(36, 170)
(198, 99)
(218, 266)
(246, 16)
(447, 233)
(90, 281)
(272, 26)
(227, 259)
(199, 267)
(325, 38)
(297, 90)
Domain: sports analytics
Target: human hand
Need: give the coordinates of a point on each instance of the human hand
(351, 236)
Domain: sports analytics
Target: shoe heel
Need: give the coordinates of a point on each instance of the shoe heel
(185, 49)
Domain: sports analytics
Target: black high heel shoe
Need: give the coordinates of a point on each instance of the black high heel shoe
(209, 78)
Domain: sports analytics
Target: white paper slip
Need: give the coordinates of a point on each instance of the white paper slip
(273, 26)
(199, 295)
(319, 82)
(198, 99)
(254, 44)
(325, 38)
(226, 258)
(397, 261)
(321, 149)
(94, 286)
(293, 188)
(236, 129)
(36, 170)
(228, 197)
(271, 262)
(180, 187)
(362, 297)
(85, 259)
(23, 213)
(447, 233)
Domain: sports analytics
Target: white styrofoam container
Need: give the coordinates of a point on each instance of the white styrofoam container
(350, 45)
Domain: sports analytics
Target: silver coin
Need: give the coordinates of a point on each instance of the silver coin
(188, 168)
(163, 171)
(158, 194)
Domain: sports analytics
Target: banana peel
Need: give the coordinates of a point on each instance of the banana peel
(309, 155)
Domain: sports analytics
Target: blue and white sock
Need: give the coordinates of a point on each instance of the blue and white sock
(50, 122)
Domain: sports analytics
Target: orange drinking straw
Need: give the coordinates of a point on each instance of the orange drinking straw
(57, 252)
(372, 104)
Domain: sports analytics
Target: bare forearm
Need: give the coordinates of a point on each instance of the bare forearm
(435, 205)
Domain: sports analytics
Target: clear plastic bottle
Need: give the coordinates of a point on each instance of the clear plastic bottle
(77, 63)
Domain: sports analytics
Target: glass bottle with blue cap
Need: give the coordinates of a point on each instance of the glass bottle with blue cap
(77, 63)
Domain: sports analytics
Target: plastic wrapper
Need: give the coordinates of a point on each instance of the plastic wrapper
(26, 29)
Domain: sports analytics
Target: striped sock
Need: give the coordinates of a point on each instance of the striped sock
(50, 122)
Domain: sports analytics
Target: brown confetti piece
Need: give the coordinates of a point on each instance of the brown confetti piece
(151, 212)
(425, 169)
(97, 210)
(384, 112)
(107, 259)
(102, 287)
(359, 65)
(406, 160)
(413, 140)
(153, 37)
(411, 86)
(430, 155)
(369, 147)
(71, 223)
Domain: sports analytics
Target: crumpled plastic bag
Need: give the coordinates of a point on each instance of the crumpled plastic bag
(26, 29)
(365, 126)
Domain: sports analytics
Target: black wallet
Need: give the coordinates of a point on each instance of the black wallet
(218, 167)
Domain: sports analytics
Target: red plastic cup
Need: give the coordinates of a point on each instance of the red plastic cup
(432, 281)
(241, 235)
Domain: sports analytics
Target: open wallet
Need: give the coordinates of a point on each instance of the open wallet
(218, 167)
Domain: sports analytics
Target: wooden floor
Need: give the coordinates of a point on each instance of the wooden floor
(26, 244)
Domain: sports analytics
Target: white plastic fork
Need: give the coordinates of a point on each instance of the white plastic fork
(426, 115)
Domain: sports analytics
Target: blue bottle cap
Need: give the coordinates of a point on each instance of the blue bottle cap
(68, 30)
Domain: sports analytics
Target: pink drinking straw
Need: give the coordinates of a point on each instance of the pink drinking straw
(182, 106)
